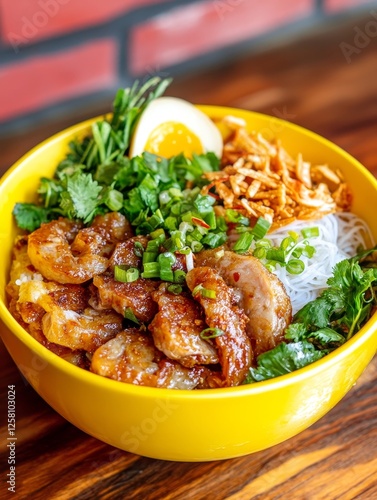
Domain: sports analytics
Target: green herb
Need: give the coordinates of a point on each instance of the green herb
(211, 333)
(125, 275)
(130, 315)
(327, 322)
(204, 292)
(261, 228)
(29, 216)
(284, 358)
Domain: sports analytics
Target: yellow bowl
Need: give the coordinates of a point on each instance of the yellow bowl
(184, 425)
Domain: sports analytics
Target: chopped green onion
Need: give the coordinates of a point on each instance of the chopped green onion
(205, 292)
(260, 252)
(196, 246)
(310, 232)
(211, 333)
(295, 266)
(287, 243)
(166, 260)
(129, 314)
(153, 246)
(209, 294)
(276, 254)
(179, 276)
(236, 217)
(261, 228)
(184, 251)
(221, 223)
(151, 270)
(149, 257)
(156, 219)
(126, 275)
(196, 235)
(294, 235)
(214, 240)
(197, 290)
(243, 243)
(210, 219)
(120, 273)
(138, 249)
(157, 234)
(176, 289)
(132, 274)
(171, 223)
(309, 251)
(263, 243)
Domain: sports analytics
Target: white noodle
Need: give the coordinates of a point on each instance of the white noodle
(341, 235)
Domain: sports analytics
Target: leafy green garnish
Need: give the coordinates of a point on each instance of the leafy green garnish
(283, 359)
(29, 216)
(327, 322)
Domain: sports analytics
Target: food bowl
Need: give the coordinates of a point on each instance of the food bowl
(182, 425)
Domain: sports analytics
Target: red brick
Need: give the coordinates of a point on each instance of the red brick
(191, 30)
(40, 81)
(36, 19)
(337, 5)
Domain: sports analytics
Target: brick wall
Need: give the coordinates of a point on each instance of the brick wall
(64, 53)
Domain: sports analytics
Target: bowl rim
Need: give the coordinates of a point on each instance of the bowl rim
(367, 331)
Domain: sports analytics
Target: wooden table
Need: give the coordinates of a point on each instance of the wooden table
(307, 81)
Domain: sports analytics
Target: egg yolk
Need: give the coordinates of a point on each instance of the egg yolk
(172, 138)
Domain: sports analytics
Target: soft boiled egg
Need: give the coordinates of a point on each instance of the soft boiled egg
(169, 126)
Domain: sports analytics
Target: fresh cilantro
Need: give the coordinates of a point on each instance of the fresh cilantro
(327, 322)
(29, 216)
(284, 358)
(81, 197)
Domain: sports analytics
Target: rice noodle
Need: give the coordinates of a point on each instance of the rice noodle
(341, 235)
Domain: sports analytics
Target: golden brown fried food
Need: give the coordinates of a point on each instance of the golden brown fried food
(119, 296)
(63, 252)
(127, 254)
(176, 329)
(262, 295)
(77, 329)
(132, 357)
(233, 345)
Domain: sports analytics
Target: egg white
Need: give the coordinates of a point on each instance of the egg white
(172, 109)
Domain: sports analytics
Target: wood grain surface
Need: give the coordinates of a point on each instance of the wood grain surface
(309, 82)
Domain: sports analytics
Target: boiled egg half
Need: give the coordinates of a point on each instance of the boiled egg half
(169, 126)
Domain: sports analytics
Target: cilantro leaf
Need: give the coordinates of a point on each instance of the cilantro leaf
(284, 358)
(81, 197)
(30, 216)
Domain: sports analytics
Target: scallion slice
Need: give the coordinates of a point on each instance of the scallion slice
(243, 243)
(205, 292)
(179, 276)
(151, 270)
(176, 289)
(129, 314)
(310, 232)
(276, 254)
(261, 228)
(211, 333)
(209, 294)
(295, 266)
(121, 273)
(138, 249)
